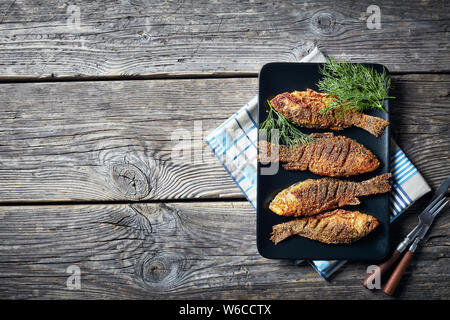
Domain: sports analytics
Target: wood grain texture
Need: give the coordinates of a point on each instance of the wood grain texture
(108, 141)
(421, 122)
(136, 37)
(112, 140)
(183, 250)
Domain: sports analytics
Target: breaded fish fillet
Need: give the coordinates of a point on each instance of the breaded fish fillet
(327, 155)
(338, 226)
(312, 196)
(303, 108)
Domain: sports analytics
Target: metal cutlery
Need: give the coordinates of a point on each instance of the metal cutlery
(426, 218)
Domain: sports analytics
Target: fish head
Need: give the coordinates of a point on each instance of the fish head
(364, 223)
(284, 204)
(369, 163)
(363, 159)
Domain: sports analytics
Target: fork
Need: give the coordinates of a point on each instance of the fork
(426, 218)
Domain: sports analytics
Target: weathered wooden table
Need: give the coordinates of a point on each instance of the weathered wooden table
(90, 94)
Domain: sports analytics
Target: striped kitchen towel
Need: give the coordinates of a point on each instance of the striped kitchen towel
(234, 143)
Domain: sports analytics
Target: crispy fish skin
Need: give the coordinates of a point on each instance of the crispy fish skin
(312, 196)
(303, 108)
(334, 227)
(327, 155)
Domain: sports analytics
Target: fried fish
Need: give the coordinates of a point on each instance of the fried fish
(334, 227)
(304, 108)
(327, 155)
(312, 196)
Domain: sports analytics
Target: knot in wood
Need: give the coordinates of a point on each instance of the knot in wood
(156, 271)
(130, 180)
(324, 22)
(161, 271)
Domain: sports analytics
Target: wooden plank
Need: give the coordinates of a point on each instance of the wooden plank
(82, 141)
(421, 123)
(97, 141)
(110, 38)
(183, 250)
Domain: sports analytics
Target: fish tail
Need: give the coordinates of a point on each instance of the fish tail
(372, 124)
(268, 152)
(281, 231)
(376, 185)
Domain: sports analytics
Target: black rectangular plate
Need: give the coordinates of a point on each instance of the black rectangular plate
(279, 77)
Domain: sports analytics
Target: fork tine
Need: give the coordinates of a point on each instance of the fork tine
(433, 202)
(436, 206)
(434, 214)
(438, 198)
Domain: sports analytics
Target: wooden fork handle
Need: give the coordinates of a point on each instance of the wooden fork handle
(383, 268)
(393, 281)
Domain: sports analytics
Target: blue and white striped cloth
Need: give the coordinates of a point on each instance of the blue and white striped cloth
(234, 143)
(409, 185)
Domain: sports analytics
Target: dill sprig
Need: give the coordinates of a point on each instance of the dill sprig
(288, 134)
(353, 87)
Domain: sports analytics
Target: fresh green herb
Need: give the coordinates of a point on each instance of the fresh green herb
(353, 87)
(288, 134)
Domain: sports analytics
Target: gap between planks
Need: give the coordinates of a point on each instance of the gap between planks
(119, 202)
(224, 75)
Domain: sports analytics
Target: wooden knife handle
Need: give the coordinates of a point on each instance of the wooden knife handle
(383, 267)
(393, 281)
